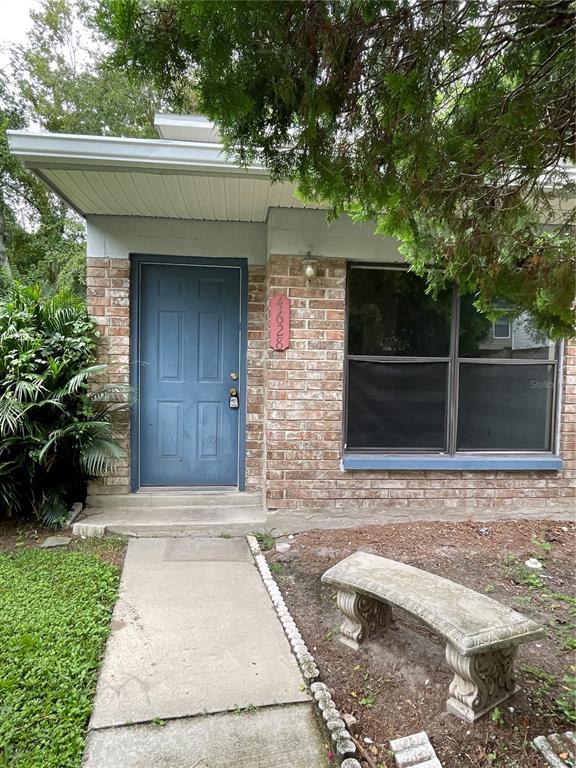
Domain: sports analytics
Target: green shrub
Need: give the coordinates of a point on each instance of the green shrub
(55, 434)
(265, 540)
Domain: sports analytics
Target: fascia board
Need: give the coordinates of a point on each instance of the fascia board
(72, 152)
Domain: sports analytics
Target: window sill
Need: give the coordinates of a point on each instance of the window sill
(477, 463)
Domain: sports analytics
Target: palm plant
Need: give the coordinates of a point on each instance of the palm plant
(56, 430)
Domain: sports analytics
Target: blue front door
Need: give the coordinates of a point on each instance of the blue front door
(189, 360)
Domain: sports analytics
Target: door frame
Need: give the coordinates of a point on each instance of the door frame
(137, 261)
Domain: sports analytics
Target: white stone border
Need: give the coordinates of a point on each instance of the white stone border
(551, 747)
(344, 747)
(416, 751)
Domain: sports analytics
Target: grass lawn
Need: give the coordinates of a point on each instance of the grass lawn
(55, 609)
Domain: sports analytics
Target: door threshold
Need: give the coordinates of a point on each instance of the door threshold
(187, 489)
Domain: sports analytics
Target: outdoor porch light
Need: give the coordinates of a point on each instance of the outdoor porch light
(310, 267)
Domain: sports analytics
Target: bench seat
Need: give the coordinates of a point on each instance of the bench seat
(481, 634)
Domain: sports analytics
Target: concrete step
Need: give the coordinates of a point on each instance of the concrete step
(170, 521)
(89, 529)
(172, 499)
(181, 514)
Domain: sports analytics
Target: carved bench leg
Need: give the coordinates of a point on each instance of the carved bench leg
(363, 616)
(480, 682)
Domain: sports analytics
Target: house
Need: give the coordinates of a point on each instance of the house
(274, 352)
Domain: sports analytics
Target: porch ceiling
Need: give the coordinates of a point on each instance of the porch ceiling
(156, 178)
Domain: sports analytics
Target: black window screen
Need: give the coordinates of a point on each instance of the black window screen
(396, 405)
(504, 407)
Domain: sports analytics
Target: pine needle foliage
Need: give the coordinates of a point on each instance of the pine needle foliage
(452, 123)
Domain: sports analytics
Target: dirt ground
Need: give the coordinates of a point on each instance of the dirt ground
(15, 535)
(397, 684)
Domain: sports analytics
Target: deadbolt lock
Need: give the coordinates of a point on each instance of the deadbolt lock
(234, 376)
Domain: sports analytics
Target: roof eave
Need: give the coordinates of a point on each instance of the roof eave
(72, 152)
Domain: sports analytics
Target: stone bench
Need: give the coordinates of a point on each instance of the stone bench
(481, 634)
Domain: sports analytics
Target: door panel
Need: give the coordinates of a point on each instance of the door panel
(189, 345)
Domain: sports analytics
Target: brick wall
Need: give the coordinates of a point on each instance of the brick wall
(303, 421)
(294, 405)
(568, 416)
(108, 300)
(303, 413)
(255, 383)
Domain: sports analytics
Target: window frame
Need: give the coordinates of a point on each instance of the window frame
(453, 361)
(509, 323)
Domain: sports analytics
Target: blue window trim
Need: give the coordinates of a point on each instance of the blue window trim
(487, 463)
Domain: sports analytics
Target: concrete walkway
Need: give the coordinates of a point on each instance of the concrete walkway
(197, 671)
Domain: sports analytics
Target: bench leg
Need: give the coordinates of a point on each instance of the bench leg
(480, 682)
(363, 617)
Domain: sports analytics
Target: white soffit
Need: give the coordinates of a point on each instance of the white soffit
(142, 177)
(174, 196)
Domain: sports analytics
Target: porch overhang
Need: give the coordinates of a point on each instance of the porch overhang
(99, 175)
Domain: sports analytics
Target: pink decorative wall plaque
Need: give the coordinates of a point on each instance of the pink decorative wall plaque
(279, 321)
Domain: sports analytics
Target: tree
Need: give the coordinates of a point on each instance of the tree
(38, 234)
(67, 83)
(61, 81)
(449, 122)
